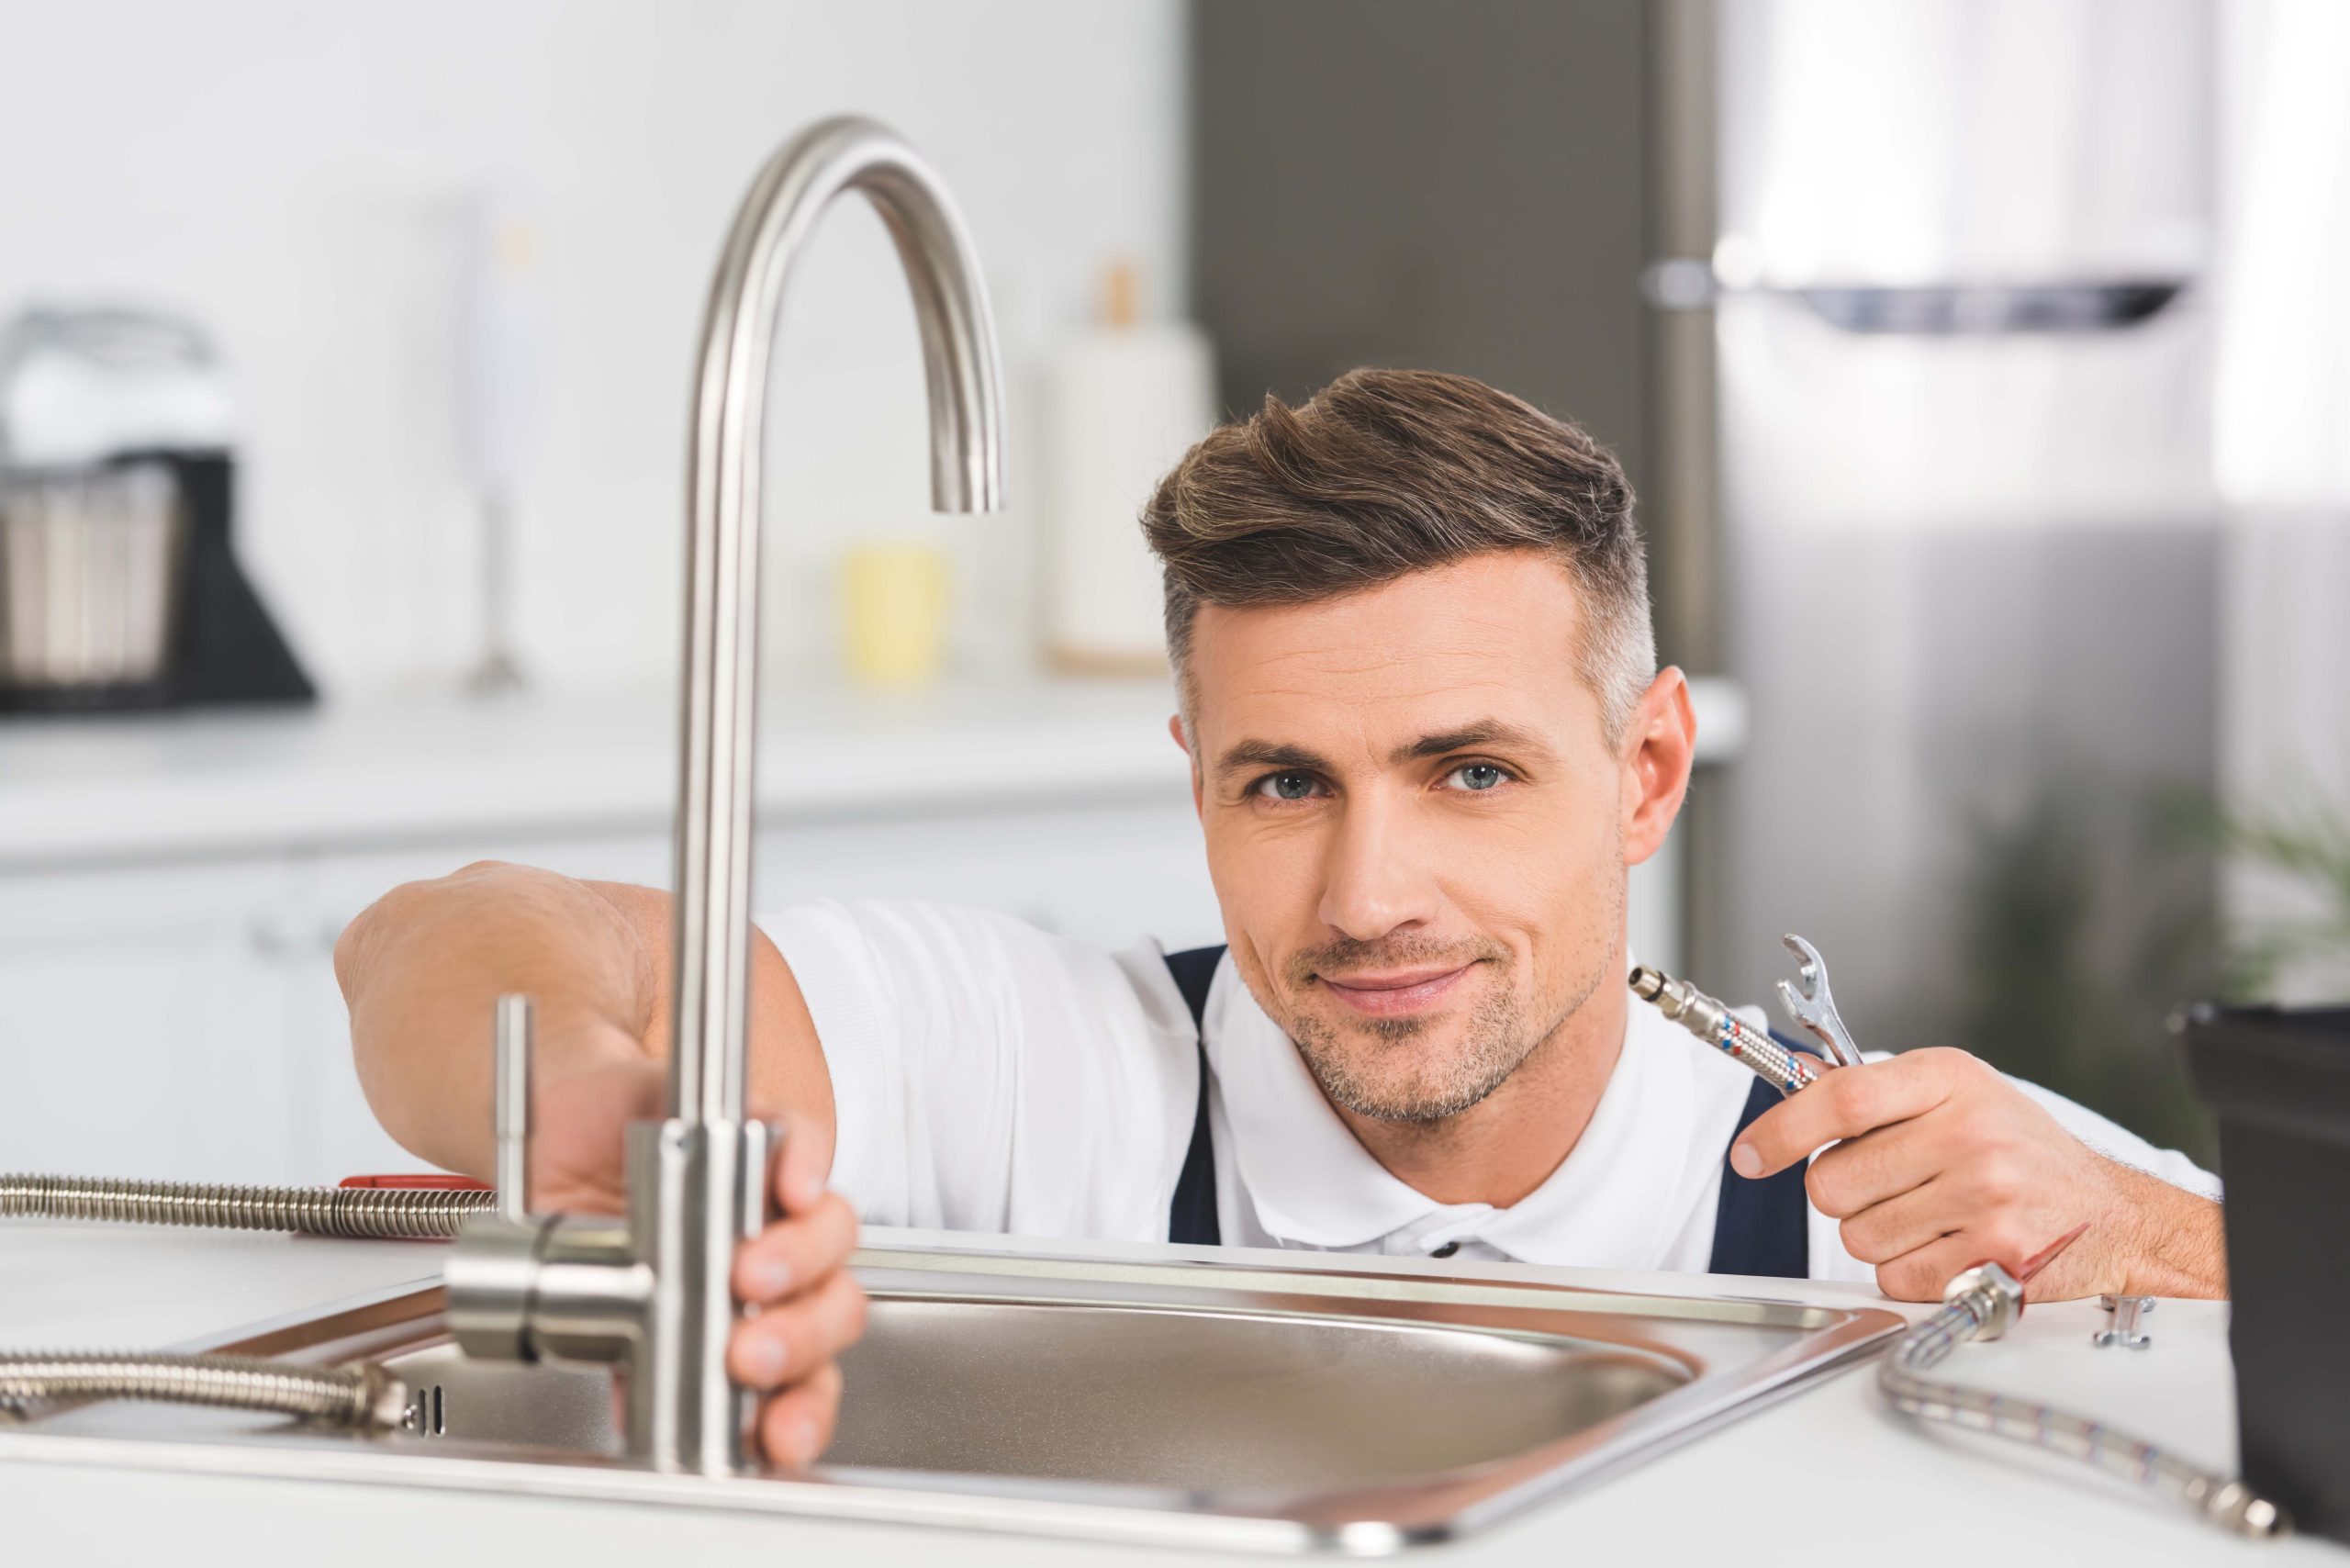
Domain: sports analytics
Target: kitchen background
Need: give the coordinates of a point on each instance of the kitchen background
(1983, 364)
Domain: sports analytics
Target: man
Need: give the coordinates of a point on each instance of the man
(1417, 686)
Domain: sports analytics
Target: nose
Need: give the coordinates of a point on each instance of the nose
(1374, 883)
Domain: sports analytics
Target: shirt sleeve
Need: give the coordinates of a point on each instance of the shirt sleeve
(988, 1076)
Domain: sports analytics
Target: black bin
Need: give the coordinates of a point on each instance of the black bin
(2278, 1080)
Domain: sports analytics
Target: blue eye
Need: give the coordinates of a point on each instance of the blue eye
(1479, 775)
(1288, 786)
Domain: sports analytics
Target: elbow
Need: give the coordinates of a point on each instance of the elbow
(404, 907)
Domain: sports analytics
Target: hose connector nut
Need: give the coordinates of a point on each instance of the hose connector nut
(1992, 1295)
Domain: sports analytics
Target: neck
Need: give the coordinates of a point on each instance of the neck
(1507, 1144)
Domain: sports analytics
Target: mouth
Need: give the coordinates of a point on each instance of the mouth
(1395, 993)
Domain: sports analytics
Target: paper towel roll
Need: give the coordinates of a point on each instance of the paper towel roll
(1120, 404)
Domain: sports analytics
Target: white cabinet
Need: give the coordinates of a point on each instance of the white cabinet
(147, 1022)
(183, 1021)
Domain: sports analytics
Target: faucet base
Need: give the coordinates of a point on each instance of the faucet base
(684, 1412)
(654, 1291)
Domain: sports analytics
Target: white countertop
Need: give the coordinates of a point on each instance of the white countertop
(1826, 1477)
(99, 788)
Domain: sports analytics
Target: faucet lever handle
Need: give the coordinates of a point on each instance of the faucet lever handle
(515, 1042)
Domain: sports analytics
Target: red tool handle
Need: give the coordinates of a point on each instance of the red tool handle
(419, 1181)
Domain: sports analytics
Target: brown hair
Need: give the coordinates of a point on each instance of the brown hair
(1384, 472)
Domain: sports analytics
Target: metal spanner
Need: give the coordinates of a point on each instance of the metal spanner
(1812, 1006)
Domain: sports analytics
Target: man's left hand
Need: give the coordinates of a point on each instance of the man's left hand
(1941, 1163)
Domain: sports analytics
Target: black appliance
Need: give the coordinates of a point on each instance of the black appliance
(119, 588)
(2278, 1080)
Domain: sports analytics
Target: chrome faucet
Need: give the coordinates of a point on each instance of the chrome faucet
(654, 1292)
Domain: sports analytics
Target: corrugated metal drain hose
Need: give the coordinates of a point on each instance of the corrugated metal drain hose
(379, 1212)
(352, 1399)
(362, 1398)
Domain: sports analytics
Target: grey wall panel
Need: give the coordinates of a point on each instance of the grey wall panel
(1455, 186)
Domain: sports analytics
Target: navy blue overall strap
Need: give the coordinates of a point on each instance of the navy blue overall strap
(1760, 1227)
(1190, 1219)
(1763, 1228)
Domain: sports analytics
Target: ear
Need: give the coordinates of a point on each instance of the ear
(1660, 746)
(1175, 728)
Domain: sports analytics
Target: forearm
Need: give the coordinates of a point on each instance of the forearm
(2181, 1246)
(423, 968)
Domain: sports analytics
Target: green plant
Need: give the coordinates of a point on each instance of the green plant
(2305, 842)
(2078, 941)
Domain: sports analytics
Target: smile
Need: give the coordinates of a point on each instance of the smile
(1396, 993)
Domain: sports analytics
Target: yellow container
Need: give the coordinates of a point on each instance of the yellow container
(894, 601)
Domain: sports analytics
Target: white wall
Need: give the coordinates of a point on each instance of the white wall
(292, 174)
(2283, 440)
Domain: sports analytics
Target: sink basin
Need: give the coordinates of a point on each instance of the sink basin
(1260, 1408)
(1132, 1396)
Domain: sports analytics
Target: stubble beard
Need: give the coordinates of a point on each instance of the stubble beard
(1495, 1041)
(1492, 1045)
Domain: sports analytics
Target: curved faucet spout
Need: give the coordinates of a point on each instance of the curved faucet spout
(657, 1293)
(697, 1183)
(782, 209)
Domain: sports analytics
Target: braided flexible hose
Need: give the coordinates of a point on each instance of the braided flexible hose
(2227, 1503)
(362, 1398)
(384, 1213)
(1712, 1021)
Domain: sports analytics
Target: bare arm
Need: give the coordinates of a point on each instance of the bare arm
(422, 967)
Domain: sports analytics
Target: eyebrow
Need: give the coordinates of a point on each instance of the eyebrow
(1264, 753)
(1482, 732)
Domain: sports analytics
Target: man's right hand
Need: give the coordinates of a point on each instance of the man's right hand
(421, 969)
(578, 1124)
(809, 1308)
(795, 1272)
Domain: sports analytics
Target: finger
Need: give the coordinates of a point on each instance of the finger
(1845, 1105)
(796, 1424)
(805, 1160)
(787, 1342)
(1877, 1166)
(793, 1253)
(1919, 1217)
(1921, 1273)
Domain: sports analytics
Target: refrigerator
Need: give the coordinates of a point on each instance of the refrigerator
(1932, 343)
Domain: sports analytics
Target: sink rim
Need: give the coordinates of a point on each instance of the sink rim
(1803, 1342)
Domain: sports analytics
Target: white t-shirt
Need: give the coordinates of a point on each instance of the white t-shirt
(988, 1076)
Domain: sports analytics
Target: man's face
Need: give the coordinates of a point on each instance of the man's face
(1417, 826)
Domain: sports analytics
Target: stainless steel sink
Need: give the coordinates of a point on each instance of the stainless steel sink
(1260, 1408)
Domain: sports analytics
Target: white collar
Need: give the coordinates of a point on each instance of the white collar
(1618, 1200)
